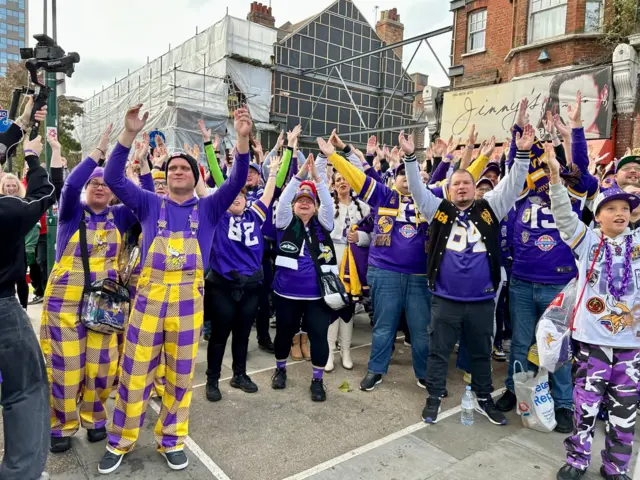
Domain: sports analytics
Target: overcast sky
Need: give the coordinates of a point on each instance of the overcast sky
(112, 36)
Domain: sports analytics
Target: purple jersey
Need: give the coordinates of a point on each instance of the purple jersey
(237, 242)
(254, 194)
(297, 283)
(539, 254)
(465, 274)
(269, 227)
(407, 252)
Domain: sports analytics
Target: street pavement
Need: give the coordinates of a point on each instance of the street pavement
(276, 435)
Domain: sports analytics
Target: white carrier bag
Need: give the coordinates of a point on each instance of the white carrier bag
(535, 404)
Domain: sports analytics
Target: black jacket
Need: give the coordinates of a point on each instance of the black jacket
(17, 217)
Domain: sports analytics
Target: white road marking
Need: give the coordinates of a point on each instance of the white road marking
(375, 444)
(206, 460)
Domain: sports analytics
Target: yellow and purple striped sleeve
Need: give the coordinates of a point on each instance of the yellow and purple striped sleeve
(362, 184)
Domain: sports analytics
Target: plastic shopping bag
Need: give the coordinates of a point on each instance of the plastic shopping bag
(535, 404)
(553, 332)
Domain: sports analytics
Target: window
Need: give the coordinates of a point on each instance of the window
(594, 15)
(547, 18)
(477, 30)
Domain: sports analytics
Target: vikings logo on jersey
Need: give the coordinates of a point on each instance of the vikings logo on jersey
(326, 254)
(176, 257)
(100, 244)
(385, 224)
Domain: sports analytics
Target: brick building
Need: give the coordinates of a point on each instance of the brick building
(544, 48)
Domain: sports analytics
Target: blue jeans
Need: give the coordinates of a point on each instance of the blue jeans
(25, 396)
(528, 301)
(391, 293)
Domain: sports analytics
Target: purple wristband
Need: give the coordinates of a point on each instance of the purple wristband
(449, 156)
(32, 152)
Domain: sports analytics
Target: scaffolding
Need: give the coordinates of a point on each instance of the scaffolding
(206, 77)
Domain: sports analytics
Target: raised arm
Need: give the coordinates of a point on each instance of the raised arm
(572, 230)
(284, 212)
(128, 192)
(325, 212)
(216, 204)
(504, 198)
(426, 201)
(210, 152)
(270, 187)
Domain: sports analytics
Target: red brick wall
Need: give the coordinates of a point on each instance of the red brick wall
(507, 28)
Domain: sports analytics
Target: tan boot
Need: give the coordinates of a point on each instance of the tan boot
(296, 352)
(305, 347)
(332, 337)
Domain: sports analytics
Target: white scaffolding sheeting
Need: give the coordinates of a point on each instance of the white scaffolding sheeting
(206, 77)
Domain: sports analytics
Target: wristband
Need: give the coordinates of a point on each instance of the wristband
(31, 152)
(449, 156)
(100, 150)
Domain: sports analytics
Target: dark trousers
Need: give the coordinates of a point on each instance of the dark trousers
(25, 396)
(317, 317)
(264, 311)
(22, 288)
(450, 319)
(231, 316)
(503, 322)
(41, 259)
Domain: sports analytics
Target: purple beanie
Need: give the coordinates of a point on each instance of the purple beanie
(98, 172)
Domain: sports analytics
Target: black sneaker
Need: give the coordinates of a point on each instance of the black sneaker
(60, 444)
(206, 337)
(369, 382)
(431, 410)
(109, 463)
(266, 344)
(279, 379)
(96, 434)
(568, 472)
(213, 391)
(244, 383)
(615, 476)
(564, 420)
(177, 460)
(36, 299)
(486, 407)
(317, 390)
(507, 401)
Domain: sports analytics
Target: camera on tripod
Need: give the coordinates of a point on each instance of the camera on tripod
(48, 56)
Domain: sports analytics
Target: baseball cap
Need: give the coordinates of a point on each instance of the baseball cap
(614, 193)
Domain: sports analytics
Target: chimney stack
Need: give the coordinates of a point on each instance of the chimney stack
(261, 14)
(390, 29)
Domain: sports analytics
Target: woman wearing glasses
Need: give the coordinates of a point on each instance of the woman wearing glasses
(81, 363)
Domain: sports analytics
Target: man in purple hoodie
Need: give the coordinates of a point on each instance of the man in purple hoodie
(167, 313)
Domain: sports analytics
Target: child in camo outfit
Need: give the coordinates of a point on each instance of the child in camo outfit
(607, 346)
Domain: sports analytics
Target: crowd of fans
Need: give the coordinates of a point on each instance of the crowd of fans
(465, 250)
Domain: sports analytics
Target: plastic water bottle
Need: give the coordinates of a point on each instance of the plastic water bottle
(466, 416)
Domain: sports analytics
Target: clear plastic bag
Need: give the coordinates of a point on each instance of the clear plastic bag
(535, 403)
(105, 307)
(553, 332)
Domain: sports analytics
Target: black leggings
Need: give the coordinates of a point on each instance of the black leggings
(317, 317)
(230, 316)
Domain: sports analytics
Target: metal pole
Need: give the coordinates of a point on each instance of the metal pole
(44, 17)
(54, 26)
(437, 59)
(313, 107)
(51, 121)
(351, 98)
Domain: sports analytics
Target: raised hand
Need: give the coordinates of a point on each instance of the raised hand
(34, 145)
(488, 147)
(206, 133)
(242, 122)
(313, 172)
(428, 154)
(525, 141)
(406, 143)
(560, 127)
(394, 157)
(575, 112)
(142, 148)
(452, 146)
(522, 117)
(104, 138)
(549, 126)
(305, 166)
(275, 165)
(326, 148)
(551, 160)
(216, 143)
(372, 145)
(335, 140)
(473, 137)
(439, 148)
(292, 136)
(133, 123)
(52, 140)
(279, 141)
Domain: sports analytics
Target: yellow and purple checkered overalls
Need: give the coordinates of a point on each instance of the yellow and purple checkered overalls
(81, 364)
(167, 312)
